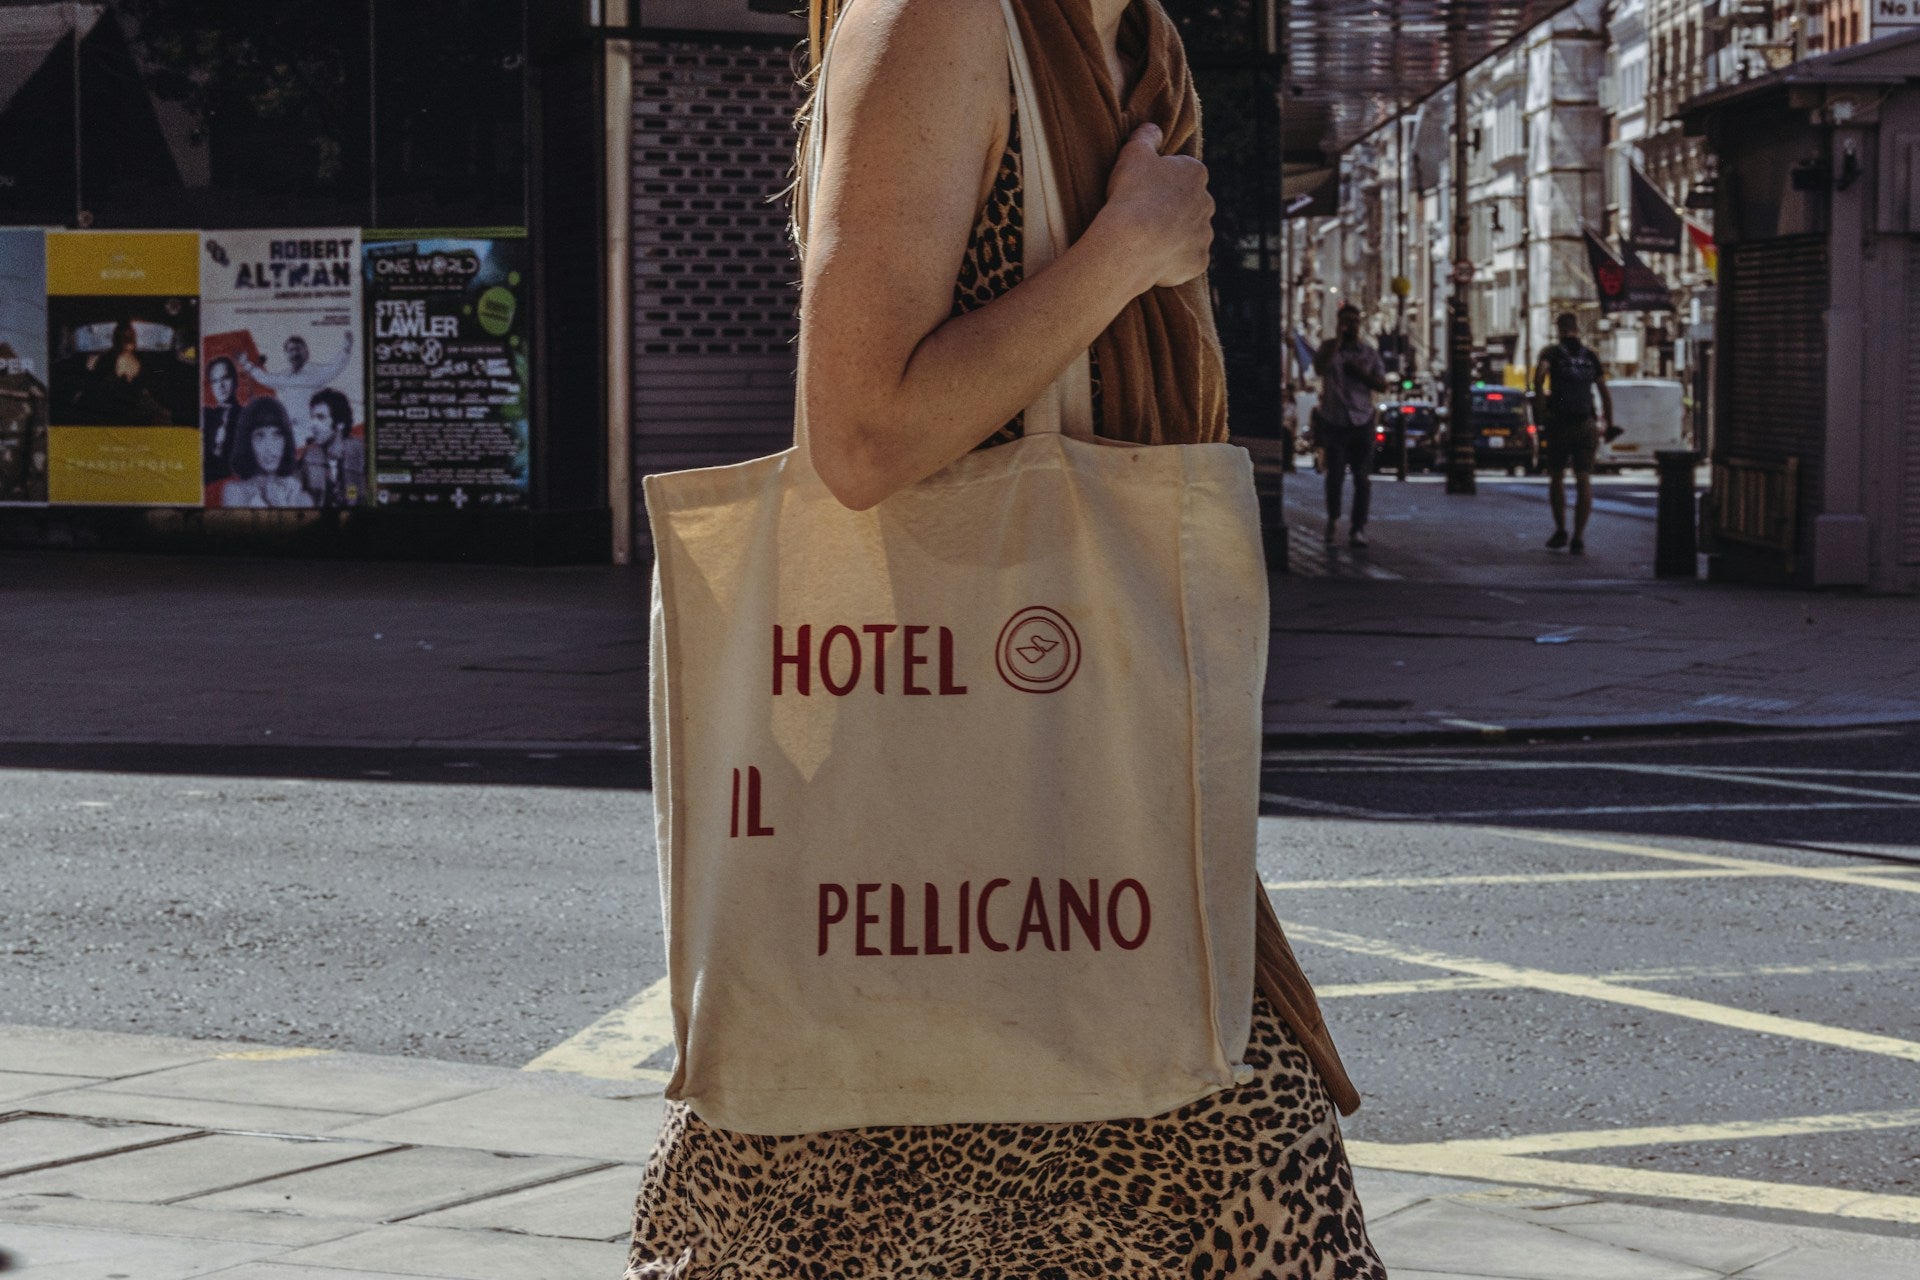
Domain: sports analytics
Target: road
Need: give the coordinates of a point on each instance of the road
(1624, 966)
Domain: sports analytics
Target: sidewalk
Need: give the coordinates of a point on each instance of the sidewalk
(136, 1158)
(1455, 624)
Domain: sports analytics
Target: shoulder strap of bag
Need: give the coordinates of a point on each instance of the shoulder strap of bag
(1067, 405)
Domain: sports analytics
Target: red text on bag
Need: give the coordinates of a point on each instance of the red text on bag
(845, 653)
(1009, 924)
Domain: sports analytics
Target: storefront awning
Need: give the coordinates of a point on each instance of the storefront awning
(1352, 65)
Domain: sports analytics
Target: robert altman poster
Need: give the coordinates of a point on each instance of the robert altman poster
(23, 366)
(282, 394)
(448, 324)
(123, 325)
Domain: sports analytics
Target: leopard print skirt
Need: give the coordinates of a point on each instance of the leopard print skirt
(1249, 1182)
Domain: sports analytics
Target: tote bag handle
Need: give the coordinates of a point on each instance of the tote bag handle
(1066, 406)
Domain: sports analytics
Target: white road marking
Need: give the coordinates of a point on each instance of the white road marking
(1730, 775)
(1678, 1134)
(614, 1047)
(1590, 988)
(1327, 806)
(1551, 877)
(1445, 1161)
(1615, 810)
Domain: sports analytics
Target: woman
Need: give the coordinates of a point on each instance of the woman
(265, 470)
(921, 340)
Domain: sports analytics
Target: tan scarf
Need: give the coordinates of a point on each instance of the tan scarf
(1162, 377)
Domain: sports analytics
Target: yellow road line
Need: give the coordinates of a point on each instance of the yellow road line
(1861, 876)
(1544, 877)
(1444, 1160)
(1627, 977)
(1676, 1134)
(1573, 984)
(272, 1055)
(614, 1047)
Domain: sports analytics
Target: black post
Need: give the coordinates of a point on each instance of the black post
(1674, 553)
(1460, 468)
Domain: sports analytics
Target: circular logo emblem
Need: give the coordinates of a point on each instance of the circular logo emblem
(1039, 651)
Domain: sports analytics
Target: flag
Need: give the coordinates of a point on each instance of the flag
(1655, 222)
(1302, 354)
(1709, 251)
(1625, 283)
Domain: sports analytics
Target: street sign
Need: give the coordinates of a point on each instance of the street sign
(1463, 272)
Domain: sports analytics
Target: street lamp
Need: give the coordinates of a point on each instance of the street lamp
(1460, 470)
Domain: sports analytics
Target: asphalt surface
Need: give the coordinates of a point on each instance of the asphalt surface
(487, 906)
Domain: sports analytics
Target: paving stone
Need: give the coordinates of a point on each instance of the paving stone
(32, 1140)
(1810, 1264)
(18, 1085)
(1716, 1251)
(463, 1255)
(199, 1113)
(180, 1170)
(516, 1120)
(36, 1050)
(69, 1253)
(307, 1083)
(594, 1206)
(171, 1220)
(396, 1185)
(1446, 1237)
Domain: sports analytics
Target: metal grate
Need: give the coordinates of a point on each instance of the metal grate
(1775, 375)
(712, 149)
(1910, 420)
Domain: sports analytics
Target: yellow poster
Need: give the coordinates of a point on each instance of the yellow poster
(123, 331)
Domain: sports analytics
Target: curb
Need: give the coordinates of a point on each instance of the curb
(1525, 733)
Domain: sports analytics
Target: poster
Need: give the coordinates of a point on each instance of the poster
(448, 322)
(23, 366)
(123, 331)
(282, 394)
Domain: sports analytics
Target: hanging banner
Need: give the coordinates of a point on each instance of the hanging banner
(447, 321)
(23, 366)
(1625, 284)
(1703, 244)
(1654, 224)
(282, 390)
(123, 328)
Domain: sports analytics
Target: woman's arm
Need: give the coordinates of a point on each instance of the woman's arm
(892, 386)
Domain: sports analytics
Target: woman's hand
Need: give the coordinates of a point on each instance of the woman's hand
(1159, 205)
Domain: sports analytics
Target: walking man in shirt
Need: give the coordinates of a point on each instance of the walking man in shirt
(1351, 372)
(1571, 373)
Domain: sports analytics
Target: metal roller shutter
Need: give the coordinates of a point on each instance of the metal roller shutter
(1910, 418)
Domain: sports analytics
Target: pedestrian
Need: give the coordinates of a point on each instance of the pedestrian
(904, 371)
(1351, 373)
(1571, 373)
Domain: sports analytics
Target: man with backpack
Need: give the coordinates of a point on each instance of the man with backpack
(1570, 373)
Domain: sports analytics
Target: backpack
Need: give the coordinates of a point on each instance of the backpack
(1574, 373)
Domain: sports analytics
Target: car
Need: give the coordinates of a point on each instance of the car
(1420, 421)
(1504, 434)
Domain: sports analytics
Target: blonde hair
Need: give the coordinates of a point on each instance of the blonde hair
(821, 16)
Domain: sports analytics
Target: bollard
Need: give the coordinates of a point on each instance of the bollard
(1674, 546)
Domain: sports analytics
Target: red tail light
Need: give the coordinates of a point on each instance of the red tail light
(1495, 396)
(1532, 430)
(1407, 409)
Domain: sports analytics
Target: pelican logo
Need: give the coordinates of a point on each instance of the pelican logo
(1039, 651)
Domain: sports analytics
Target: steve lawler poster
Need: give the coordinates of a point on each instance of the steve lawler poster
(448, 324)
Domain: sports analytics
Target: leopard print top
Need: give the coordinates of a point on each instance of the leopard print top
(993, 264)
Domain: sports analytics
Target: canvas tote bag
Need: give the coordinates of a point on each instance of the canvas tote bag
(956, 797)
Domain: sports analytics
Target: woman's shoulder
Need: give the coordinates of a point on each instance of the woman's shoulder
(924, 46)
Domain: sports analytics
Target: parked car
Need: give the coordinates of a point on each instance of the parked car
(1503, 431)
(1651, 415)
(1420, 420)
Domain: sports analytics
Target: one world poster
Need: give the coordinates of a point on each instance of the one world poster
(448, 324)
(282, 389)
(23, 366)
(123, 331)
